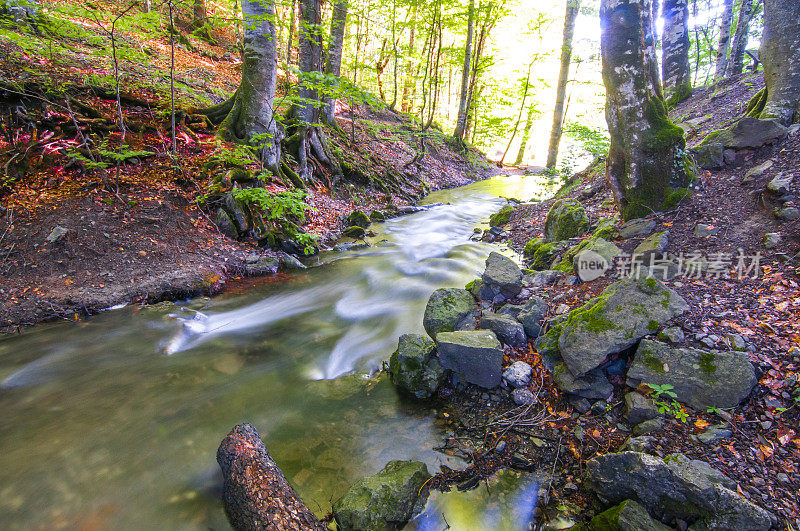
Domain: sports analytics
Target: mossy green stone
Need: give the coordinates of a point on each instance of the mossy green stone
(566, 219)
(359, 219)
(501, 217)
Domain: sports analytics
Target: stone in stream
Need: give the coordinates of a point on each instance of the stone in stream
(627, 516)
(357, 218)
(386, 500)
(501, 277)
(533, 313)
(255, 492)
(700, 378)
(625, 312)
(414, 366)
(518, 374)
(475, 357)
(354, 232)
(675, 487)
(507, 329)
(566, 219)
(501, 217)
(448, 310)
(257, 265)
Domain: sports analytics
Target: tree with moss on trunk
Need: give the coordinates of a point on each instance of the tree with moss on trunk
(646, 156)
(675, 70)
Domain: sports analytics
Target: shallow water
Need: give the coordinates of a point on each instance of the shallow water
(114, 422)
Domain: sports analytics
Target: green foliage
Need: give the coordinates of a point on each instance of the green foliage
(593, 140)
(281, 210)
(666, 400)
(105, 157)
(236, 155)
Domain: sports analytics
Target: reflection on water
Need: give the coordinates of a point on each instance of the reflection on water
(114, 422)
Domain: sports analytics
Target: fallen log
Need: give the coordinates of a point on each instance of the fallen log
(256, 494)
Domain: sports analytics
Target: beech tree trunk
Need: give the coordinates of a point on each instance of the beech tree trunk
(256, 494)
(199, 13)
(724, 39)
(290, 37)
(780, 53)
(675, 70)
(461, 119)
(333, 66)
(526, 133)
(563, 77)
(641, 166)
(736, 63)
(251, 112)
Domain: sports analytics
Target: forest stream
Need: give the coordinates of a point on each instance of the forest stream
(114, 422)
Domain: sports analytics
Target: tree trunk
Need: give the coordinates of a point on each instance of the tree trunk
(199, 14)
(333, 66)
(251, 112)
(780, 53)
(736, 63)
(641, 164)
(563, 77)
(405, 105)
(461, 119)
(256, 494)
(290, 37)
(724, 39)
(526, 133)
(519, 115)
(675, 45)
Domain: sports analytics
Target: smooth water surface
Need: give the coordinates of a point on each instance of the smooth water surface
(114, 422)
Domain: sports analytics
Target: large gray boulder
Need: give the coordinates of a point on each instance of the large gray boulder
(627, 516)
(501, 277)
(475, 356)
(748, 133)
(566, 219)
(507, 329)
(449, 309)
(414, 366)
(625, 312)
(675, 487)
(533, 313)
(386, 500)
(700, 378)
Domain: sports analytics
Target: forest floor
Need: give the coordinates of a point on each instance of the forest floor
(763, 453)
(134, 231)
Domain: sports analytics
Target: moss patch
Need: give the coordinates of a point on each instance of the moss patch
(707, 364)
(501, 217)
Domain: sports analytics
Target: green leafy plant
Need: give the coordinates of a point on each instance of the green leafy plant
(666, 400)
(281, 211)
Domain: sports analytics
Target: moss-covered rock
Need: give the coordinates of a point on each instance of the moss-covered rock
(625, 312)
(376, 216)
(566, 219)
(502, 216)
(449, 310)
(544, 254)
(354, 232)
(627, 516)
(386, 500)
(532, 246)
(414, 366)
(358, 218)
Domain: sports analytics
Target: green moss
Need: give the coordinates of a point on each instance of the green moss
(654, 364)
(665, 134)
(756, 105)
(608, 520)
(707, 364)
(591, 316)
(470, 285)
(501, 217)
(682, 93)
(532, 246)
(710, 137)
(544, 255)
(651, 284)
(673, 197)
(652, 325)
(563, 265)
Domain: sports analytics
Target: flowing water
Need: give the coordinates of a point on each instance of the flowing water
(114, 422)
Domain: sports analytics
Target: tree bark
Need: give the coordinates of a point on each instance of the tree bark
(526, 132)
(736, 63)
(780, 53)
(461, 119)
(641, 166)
(251, 111)
(256, 494)
(675, 70)
(290, 37)
(519, 115)
(724, 39)
(199, 13)
(563, 76)
(333, 66)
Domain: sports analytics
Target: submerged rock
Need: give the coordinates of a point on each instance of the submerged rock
(700, 378)
(566, 219)
(501, 277)
(449, 309)
(354, 232)
(475, 357)
(675, 487)
(625, 312)
(386, 500)
(507, 329)
(414, 366)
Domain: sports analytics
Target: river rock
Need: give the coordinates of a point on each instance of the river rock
(675, 487)
(518, 374)
(385, 500)
(541, 254)
(639, 408)
(257, 265)
(511, 310)
(700, 378)
(603, 247)
(566, 219)
(225, 224)
(449, 309)
(357, 218)
(501, 277)
(354, 232)
(625, 312)
(533, 313)
(376, 216)
(655, 244)
(543, 279)
(627, 516)
(475, 356)
(648, 426)
(414, 366)
(593, 385)
(501, 217)
(636, 227)
(749, 133)
(507, 329)
(523, 397)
